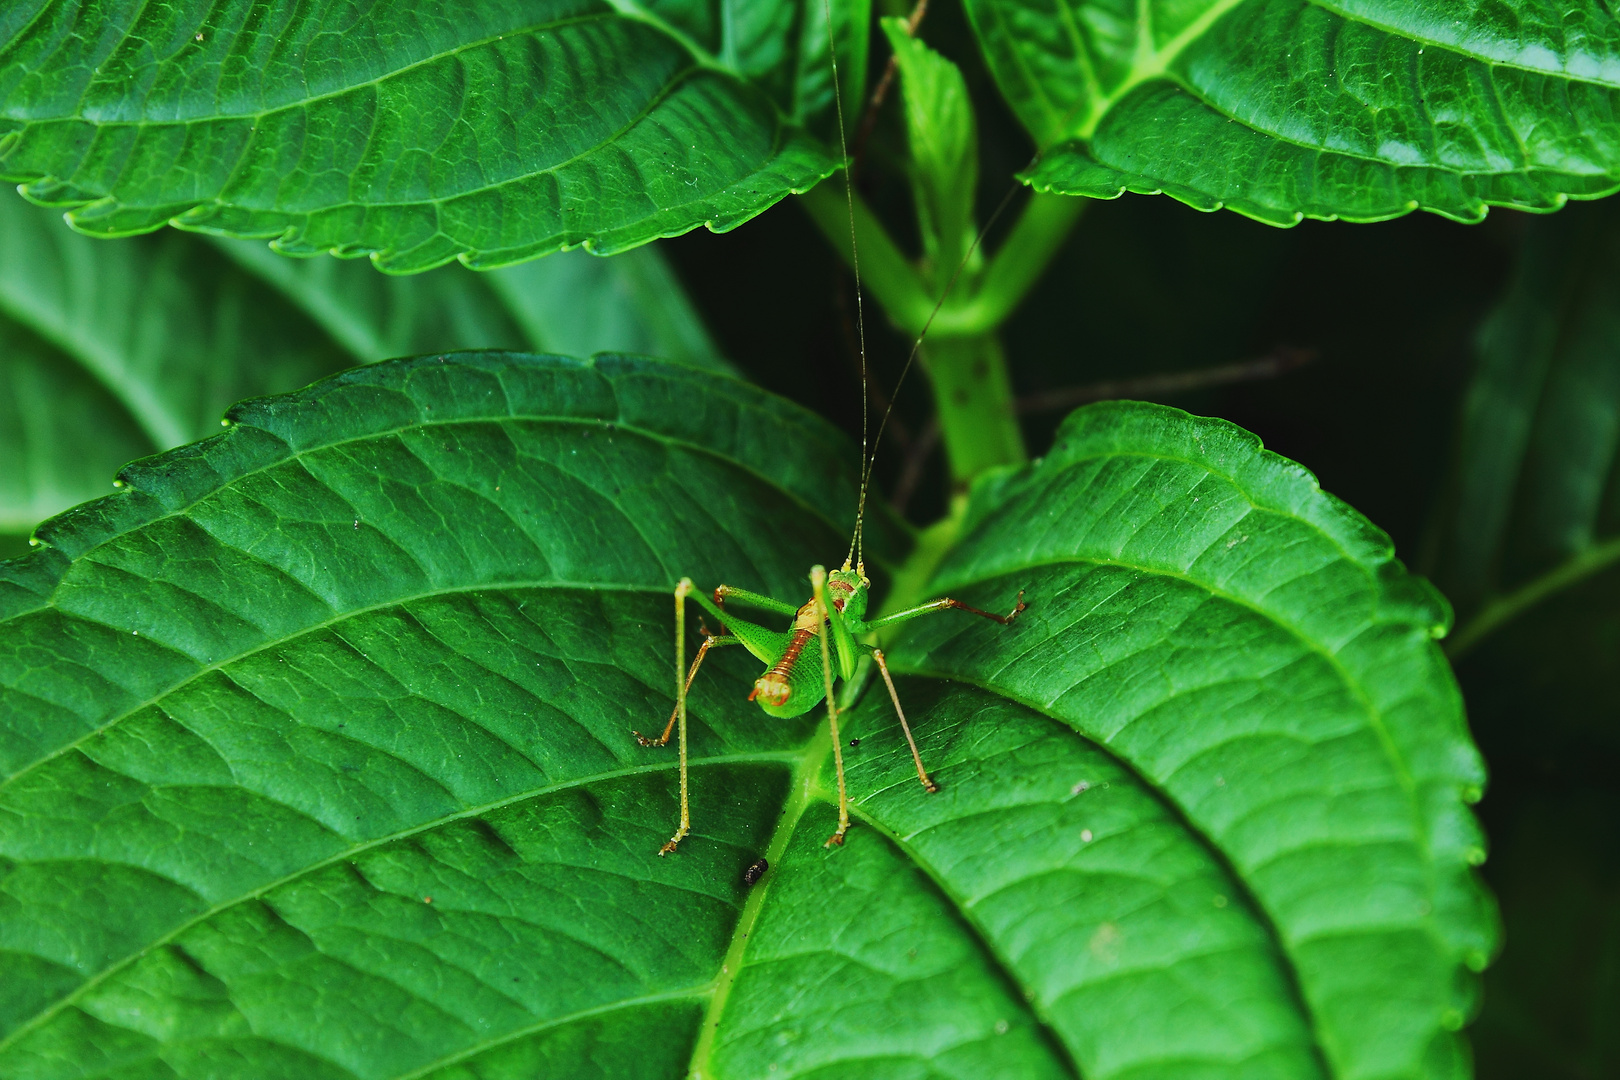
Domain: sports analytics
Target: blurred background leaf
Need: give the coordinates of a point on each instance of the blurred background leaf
(115, 351)
(1526, 544)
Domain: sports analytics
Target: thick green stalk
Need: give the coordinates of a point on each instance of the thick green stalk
(1019, 262)
(885, 270)
(975, 401)
(979, 307)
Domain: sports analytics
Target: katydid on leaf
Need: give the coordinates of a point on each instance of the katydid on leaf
(798, 676)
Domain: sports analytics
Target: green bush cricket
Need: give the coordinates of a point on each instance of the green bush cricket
(796, 677)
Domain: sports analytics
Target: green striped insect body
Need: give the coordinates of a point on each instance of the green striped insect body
(822, 644)
(793, 684)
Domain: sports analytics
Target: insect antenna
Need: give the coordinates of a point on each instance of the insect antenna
(854, 262)
(856, 554)
(916, 346)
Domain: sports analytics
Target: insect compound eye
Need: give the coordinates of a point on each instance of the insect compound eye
(755, 871)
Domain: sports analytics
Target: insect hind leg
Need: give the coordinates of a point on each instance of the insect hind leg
(922, 773)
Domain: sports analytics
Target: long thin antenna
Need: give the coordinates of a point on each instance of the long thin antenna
(894, 395)
(854, 254)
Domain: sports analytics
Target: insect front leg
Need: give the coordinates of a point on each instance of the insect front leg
(682, 681)
(943, 604)
(818, 581)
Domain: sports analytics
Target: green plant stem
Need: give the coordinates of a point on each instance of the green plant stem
(975, 401)
(1505, 608)
(963, 356)
(1019, 262)
(885, 270)
(1042, 227)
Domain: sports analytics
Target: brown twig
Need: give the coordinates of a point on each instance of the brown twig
(869, 121)
(1279, 361)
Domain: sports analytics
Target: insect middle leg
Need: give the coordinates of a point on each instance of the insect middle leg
(709, 641)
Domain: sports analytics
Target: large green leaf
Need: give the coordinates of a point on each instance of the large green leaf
(317, 762)
(491, 131)
(1285, 109)
(110, 352)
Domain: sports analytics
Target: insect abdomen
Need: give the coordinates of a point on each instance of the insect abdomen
(776, 685)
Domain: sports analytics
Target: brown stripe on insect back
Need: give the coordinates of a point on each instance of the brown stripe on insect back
(775, 685)
(790, 659)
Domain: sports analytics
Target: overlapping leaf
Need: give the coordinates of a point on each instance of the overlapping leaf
(1249, 646)
(316, 759)
(1527, 550)
(115, 351)
(1534, 506)
(491, 131)
(1283, 109)
(110, 352)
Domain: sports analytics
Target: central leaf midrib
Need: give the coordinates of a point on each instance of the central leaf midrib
(1155, 65)
(801, 792)
(91, 982)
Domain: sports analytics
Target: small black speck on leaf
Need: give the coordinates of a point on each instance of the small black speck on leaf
(755, 871)
(854, 742)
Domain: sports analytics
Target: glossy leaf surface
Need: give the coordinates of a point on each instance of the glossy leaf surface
(315, 759)
(491, 131)
(1283, 109)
